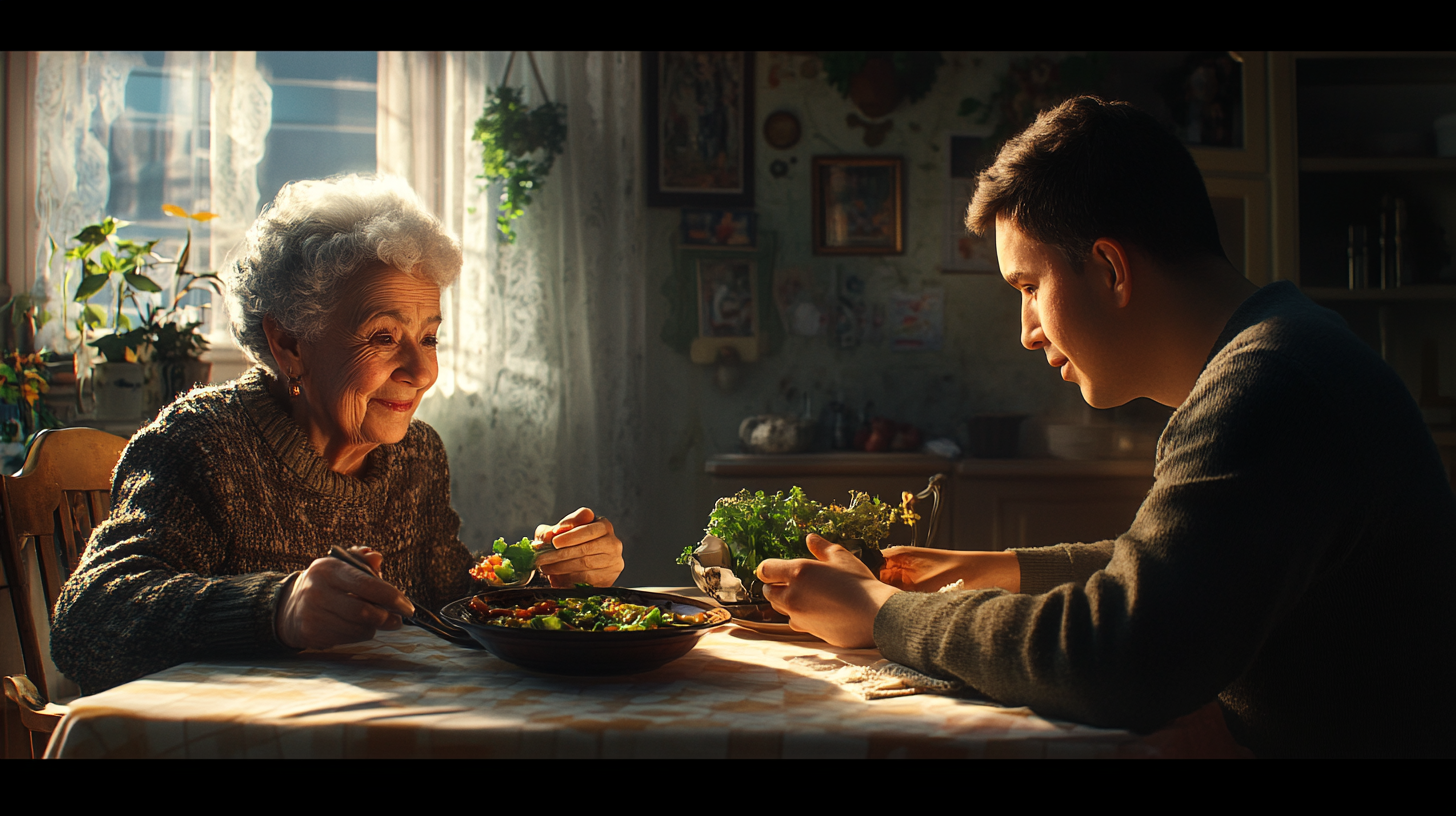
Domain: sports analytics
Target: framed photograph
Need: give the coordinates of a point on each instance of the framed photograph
(698, 107)
(719, 228)
(859, 205)
(727, 299)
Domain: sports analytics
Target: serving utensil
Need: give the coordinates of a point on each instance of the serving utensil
(422, 616)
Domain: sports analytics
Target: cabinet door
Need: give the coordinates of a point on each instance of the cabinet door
(998, 514)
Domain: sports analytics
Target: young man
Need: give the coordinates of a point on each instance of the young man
(1294, 555)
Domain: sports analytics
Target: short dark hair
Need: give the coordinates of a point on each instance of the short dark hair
(1090, 169)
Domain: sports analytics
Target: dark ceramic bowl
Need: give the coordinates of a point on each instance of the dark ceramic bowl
(585, 653)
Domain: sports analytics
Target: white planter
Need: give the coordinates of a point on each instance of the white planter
(123, 390)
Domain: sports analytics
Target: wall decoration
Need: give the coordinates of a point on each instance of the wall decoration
(916, 320)
(726, 228)
(782, 130)
(964, 251)
(720, 300)
(875, 132)
(1032, 85)
(698, 107)
(851, 308)
(726, 297)
(859, 205)
(799, 309)
(876, 81)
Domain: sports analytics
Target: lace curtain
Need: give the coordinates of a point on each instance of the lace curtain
(83, 141)
(541, 378)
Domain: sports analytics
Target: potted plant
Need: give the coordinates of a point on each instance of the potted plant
(520, 145)
(746, 528)
(127, 384)
(24, 380)
(176, 330)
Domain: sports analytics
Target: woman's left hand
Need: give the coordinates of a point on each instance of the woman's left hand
(587, 551)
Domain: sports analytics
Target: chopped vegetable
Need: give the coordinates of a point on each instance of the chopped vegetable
(598, 613)
(508, 563)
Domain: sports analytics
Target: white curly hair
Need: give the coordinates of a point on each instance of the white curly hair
(317, 236)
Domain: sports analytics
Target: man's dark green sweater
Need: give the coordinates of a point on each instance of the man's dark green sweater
(1294, 560)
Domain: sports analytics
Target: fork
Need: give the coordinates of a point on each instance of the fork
(422, 617)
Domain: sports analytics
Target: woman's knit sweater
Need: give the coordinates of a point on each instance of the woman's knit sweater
(214, 504)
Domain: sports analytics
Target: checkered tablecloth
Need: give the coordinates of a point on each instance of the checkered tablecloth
(738, 694)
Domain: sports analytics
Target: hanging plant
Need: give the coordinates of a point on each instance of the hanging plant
(520, 145)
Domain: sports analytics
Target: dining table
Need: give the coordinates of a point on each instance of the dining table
(740, 693)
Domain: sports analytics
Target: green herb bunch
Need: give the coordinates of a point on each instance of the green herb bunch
(757, 526)
(512, 133)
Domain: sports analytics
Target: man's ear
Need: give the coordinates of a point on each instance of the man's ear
(1113, 263)
(284, 347)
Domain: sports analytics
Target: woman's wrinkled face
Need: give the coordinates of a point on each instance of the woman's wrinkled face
(364, 377)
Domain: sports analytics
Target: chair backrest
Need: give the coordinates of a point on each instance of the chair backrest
(61, 494)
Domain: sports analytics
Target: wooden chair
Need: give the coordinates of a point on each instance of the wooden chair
(61, 494)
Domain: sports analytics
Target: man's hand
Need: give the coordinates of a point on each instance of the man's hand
(922, 569)
(332, 603)
(587, 551)
(835, 597)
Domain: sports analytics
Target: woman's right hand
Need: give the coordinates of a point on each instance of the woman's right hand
(332, 602)
(923, 569)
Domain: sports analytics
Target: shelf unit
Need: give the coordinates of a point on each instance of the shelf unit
(1348, 130)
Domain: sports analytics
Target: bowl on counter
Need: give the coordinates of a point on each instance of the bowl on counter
(776, 434)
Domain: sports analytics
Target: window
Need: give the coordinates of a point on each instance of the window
(312, 115)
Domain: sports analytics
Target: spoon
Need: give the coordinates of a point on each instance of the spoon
(422, 617)
(524, 577)
(539, 546)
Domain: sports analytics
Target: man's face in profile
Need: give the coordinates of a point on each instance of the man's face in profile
(1065, 313)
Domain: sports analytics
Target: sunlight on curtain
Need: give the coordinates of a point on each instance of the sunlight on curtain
(541, 365)
(78, 95)
(191, 133)
(242, 115)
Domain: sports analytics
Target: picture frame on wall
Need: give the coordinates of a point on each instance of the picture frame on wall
(720, 228)
(859, 205)
(698, 111)
(964, 252)
(728, 308)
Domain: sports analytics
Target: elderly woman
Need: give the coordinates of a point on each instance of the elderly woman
(224, 507)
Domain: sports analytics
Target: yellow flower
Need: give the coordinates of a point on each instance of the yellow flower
(907, 508)
(173, 209)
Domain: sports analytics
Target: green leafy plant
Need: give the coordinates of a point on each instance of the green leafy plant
(120, 262)
(175, 337)
(520, 145)
(105, 259)
(756, 526)
(24, 378)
